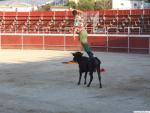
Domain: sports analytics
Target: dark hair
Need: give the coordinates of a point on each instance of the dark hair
(74, 12)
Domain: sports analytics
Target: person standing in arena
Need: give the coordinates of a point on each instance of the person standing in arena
(79, 28)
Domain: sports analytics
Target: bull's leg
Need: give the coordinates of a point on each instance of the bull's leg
(99, 77)
(85, 76)
(91, 78)
(80, 75)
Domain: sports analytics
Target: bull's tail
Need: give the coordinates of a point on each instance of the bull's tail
(102, 70)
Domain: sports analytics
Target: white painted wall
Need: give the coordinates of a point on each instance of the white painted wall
(147, 5)
(128, 4)
(20, 9)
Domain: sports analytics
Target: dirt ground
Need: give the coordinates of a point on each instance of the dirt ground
(35, 81)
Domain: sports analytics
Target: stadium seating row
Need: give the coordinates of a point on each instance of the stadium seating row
(104, 21)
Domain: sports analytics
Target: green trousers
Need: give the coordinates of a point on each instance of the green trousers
(83, 35)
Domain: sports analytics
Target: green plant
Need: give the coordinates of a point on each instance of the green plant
(103, 4)
(72, 4)
(86, 4)
(45, 7)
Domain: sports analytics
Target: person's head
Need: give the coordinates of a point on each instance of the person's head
(74, 12)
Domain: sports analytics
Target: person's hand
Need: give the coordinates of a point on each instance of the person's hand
(79, 11)
(74, 37)
(74, 32)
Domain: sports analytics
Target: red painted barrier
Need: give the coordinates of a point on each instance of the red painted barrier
(32, 42)
(98, 43)
(139, 42)
(26, 14)
(1, 13)
(72, 44)
(110, 12)
(146, 11)
(118, 42)
(54, 42)
(137, 12)
(11, 42)
(139, 45)
(10, 14)
(36, 13)
(123, 12)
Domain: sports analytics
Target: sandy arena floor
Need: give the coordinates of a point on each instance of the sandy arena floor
(35, 81)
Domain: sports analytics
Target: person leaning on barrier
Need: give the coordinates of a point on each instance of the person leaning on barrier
(79, 28)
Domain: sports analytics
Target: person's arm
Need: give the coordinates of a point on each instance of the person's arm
(80, 11)
(74, 32)
(75, 27)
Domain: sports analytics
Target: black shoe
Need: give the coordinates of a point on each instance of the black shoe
(90, 54)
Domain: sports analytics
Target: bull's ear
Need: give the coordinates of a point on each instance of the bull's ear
(73, 54)
(81, 54)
